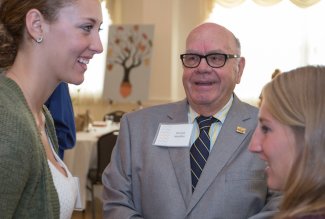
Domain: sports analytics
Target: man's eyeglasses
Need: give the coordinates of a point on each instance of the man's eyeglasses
(215, 60)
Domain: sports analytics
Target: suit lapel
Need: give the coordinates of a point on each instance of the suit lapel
(224, 148)
(181, 163)
(180, 157)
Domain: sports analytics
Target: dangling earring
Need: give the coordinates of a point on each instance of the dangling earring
(39, 39)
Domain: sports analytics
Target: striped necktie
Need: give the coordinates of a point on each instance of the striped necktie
(200, 149)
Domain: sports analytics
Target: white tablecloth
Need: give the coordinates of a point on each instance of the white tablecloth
(83, 156)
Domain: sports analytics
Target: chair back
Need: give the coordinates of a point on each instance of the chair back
(105, 146)
(116, 115)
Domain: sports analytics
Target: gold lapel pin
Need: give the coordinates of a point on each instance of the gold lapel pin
(241, 130)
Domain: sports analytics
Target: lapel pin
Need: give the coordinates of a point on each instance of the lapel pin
(241, 130)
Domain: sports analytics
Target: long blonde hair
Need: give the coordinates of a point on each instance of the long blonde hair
(297, 99)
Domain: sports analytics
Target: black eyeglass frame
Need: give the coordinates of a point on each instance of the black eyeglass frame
(227, 56)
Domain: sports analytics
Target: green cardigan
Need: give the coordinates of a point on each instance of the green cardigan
(26, 185)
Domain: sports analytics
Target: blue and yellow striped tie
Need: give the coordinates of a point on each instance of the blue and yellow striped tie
(200, 149)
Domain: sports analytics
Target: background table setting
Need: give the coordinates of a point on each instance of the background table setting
(83, 155)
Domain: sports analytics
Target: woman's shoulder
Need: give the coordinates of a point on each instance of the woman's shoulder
(17, 127)
(10, 93)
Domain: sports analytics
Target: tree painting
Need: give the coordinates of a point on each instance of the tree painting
(129, 47)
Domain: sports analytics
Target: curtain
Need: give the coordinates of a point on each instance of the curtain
(233, 3)
(209, 5)
(113, 7)
(271, 41)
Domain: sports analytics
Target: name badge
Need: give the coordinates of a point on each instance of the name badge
(173, 135)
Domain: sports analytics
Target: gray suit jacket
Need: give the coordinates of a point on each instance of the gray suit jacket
(153, 182)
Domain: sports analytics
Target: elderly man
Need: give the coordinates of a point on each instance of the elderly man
(189, 159)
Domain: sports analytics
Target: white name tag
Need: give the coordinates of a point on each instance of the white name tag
(173, 135)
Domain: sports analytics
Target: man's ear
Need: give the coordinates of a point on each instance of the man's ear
(34, 22)
(241, 66)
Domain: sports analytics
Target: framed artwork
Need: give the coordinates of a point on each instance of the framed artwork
(128, 62)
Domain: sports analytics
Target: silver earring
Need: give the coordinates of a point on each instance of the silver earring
(39, 39)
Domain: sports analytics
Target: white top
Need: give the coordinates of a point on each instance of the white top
(66, 187)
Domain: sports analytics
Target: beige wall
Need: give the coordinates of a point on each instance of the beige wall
(172, 20)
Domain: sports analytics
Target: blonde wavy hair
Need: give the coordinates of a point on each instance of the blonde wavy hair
(297, 99)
